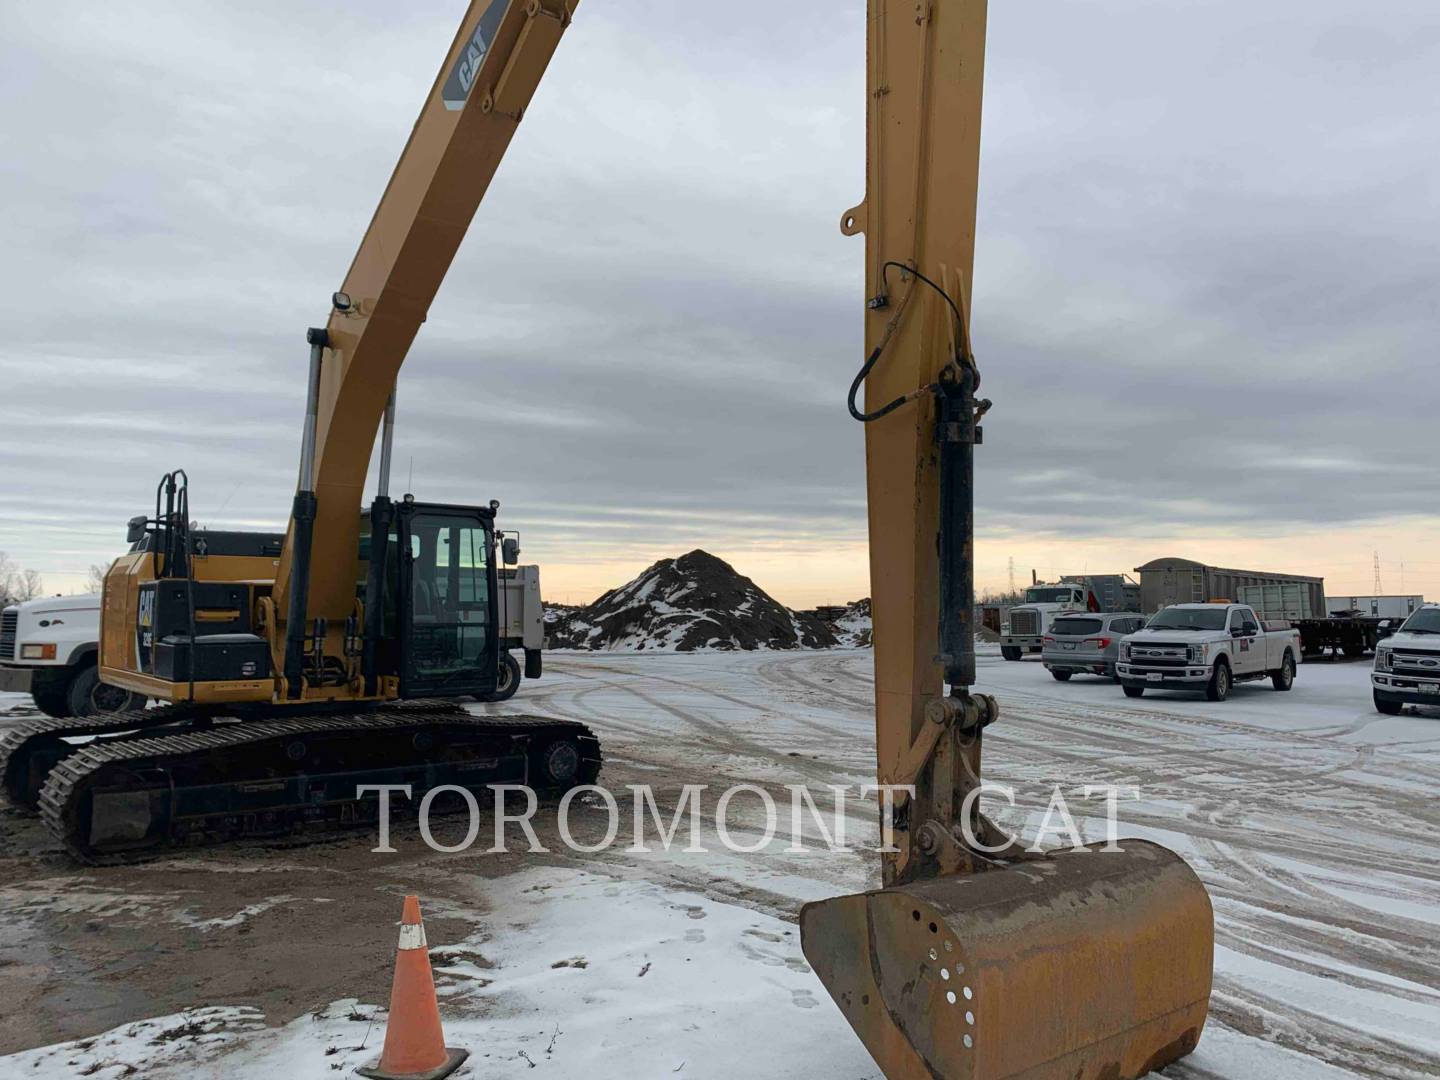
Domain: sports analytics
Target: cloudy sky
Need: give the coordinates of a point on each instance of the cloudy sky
(1206, 283)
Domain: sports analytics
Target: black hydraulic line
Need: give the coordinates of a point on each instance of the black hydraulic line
(302, 513)
(186, 545)
(380, 517)
(874, 358)
(957, 434)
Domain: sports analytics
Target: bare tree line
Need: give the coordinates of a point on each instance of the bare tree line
(16, 584)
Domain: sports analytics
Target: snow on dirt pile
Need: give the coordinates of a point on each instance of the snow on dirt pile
(693, 603)
(854, 626)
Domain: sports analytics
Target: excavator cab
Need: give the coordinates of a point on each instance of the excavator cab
(196, 631)
(447, 611)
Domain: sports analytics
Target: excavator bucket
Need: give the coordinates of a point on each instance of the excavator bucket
(1081, 965)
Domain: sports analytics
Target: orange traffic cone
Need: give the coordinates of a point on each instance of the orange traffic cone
(414, 1043)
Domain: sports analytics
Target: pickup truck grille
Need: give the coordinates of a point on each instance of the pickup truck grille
(1415, 660)
(1158, 661)
(9, 620)
(1156, 654)
(1025, 622)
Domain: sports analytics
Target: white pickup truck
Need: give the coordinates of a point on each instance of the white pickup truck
(1209, 648)
(1407, 664)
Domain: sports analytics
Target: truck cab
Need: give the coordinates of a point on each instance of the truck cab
(48, 650)
(1207, 648)
(1407, 664)
(1030, 621)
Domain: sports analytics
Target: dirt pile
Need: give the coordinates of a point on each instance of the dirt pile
(693, 603)
(853, 626)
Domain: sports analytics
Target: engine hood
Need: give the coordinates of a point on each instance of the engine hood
(47, 605)
(1142, 636)
(1421, 642)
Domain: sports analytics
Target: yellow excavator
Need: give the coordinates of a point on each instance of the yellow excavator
(300, 666)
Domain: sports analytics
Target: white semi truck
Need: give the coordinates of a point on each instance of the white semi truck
(1030, 621)
(48, 648)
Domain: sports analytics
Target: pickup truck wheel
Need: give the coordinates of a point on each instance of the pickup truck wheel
(509, 679)
(52, 697)
(1218, 688)
(1389, 708)
(1011, 652)
(1134, 691)
(1062, 676)
(1284, 678)
(90, 697)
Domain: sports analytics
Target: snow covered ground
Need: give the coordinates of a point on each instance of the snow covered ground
(1310, 817)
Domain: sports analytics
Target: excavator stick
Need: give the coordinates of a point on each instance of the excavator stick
(977, 959)
(1083, 965)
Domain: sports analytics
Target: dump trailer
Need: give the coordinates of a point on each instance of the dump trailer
(977, 958)
(1168, 581)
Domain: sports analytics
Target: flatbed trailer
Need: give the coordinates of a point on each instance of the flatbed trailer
(1349, 635)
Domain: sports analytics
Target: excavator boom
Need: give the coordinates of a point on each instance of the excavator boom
(978, 958)
(499, 54)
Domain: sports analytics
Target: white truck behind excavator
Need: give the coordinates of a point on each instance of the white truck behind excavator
(48, 648)
(1031, 621)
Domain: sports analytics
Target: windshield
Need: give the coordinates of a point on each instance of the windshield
(1424, 621)
(1049, 596)
(1076, 627)
(1174, 618)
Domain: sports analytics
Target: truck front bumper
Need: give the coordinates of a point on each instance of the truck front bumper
(1168, 678)
(15, 680)
(1406, 689)
(1022, 641)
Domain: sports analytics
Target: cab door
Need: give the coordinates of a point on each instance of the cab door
(1248, 648)
(449, 647)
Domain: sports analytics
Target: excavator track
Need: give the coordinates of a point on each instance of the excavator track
(133, 798)
(28, 751)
